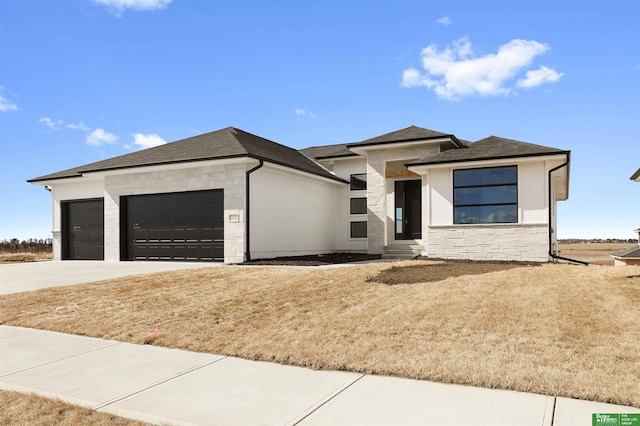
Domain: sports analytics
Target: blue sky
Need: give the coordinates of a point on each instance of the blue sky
(84, 80)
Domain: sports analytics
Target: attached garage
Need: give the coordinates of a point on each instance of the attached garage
(83, 229)
(183, 226)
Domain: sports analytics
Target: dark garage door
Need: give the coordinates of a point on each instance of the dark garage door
(83, 230)
(186, 226)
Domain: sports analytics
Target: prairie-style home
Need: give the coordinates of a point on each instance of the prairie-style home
(230, 195)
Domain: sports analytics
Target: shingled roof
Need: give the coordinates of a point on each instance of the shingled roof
(225, 143)
(411, 133)
(328, 151)
(490, 148)
(630, 253)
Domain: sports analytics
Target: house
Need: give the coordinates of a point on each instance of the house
(627, 257)
(630, 256)
(230, 195)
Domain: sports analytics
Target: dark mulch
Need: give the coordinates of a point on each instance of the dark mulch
(440, 271)
(314, 260)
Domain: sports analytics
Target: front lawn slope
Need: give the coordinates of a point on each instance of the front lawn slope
(553, 329)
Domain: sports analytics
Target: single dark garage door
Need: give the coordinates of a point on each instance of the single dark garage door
(83, 230)
(186, 226)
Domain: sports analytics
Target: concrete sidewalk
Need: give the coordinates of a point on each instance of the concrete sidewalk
(170, 386)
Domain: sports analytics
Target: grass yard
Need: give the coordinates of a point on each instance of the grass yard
(553, 329)
(592, 252)
(24, 257)
(28, 409)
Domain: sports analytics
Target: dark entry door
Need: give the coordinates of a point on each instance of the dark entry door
(408, 212)
(183, 226)
(83, 230)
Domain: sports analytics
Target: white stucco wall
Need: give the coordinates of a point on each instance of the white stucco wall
(344, 168)
(292, 213)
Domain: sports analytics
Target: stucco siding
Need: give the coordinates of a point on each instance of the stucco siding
(344, 168)
(292, 213)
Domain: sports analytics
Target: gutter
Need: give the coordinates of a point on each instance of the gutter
(551, 253)
(247, 215)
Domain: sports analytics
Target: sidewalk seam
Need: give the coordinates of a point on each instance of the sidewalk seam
(61, 359)
(153, 385)
(323, 403)
(553, 412)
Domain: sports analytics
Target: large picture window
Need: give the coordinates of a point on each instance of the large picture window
(486, 195)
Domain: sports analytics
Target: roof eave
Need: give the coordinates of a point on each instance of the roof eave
(500, 157)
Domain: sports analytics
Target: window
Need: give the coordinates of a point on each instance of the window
(358, 206)
(358, 229)
(358, 182)
(487, 195)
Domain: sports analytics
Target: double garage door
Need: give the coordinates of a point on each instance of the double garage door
(182, 226)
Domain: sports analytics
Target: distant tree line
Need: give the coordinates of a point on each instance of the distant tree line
(26, 246)
(596, 240)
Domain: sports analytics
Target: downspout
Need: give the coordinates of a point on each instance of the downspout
(247, 214)
(551, 253)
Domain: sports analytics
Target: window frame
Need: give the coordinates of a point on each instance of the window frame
(353, 178)
(351, 229)
(351, 210)
(457, 205)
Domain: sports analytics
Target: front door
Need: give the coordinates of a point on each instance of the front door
(408, 211)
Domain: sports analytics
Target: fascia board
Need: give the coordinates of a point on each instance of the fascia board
(423, 168)
(362, 150)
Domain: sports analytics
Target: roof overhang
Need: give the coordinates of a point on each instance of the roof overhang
(362, 149)
(421, 168)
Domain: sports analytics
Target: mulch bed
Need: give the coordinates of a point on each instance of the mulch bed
(314, 260)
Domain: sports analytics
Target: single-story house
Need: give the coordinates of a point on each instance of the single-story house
(628, 257)
(230, 196)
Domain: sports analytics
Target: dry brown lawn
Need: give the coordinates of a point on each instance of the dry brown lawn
(28, 409)
(592, 252)
(553, 329)
(23, 257)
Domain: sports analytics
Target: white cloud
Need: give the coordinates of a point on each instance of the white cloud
(148, 141)
(120, 6)
(99, 137)
(445, 20)
(6, 104)
(53, 125)
(456, 72)
(540, 76)
(301, 113)
(79, 126)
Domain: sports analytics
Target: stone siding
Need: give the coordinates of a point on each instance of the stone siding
(489, 242)
(230, 177)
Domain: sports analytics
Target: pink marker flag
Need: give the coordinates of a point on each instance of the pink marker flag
(155, 331)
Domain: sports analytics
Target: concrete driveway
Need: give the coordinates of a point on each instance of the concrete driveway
(19, 277)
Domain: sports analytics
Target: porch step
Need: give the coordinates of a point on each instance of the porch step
(402, 251)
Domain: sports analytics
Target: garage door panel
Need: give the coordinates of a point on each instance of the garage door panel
(83, 229)
(174, 226)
